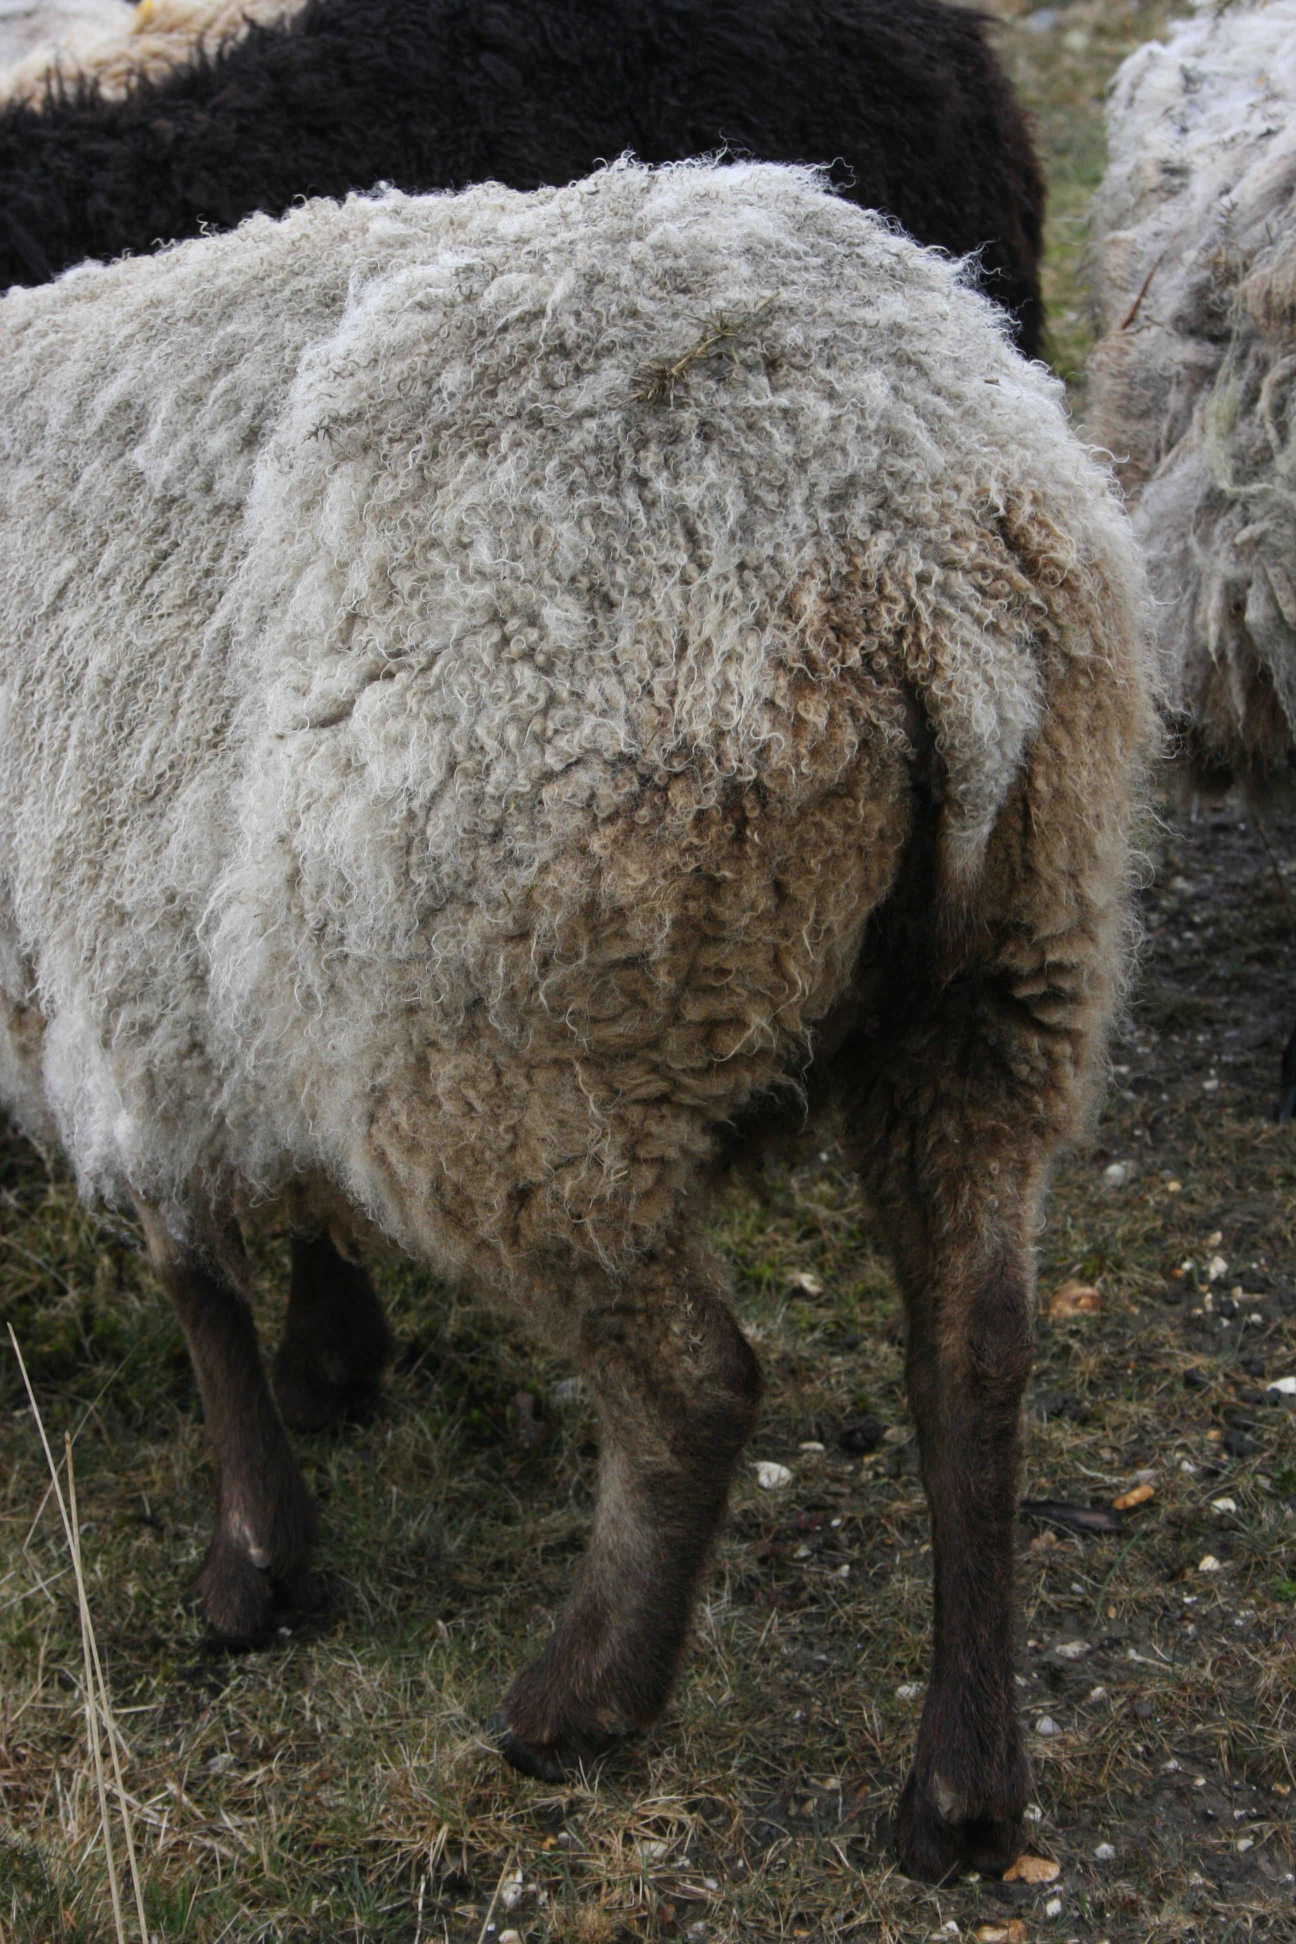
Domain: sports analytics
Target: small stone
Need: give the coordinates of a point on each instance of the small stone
(511, 1892)
(1117, 1173)
(1047, 1726)
(1209, 1564)
(1074, 1299)
(1033, 1869)
(770, 1476)
(1137, 1495)
(1216, 1268)
(1174, 1187)
(1053, 1908)
(1071, 1649)
(1033, 1812)
(1105, 1852)
(808, 1284)
(811, 1445)
(1285, 1386)
(908, 1690)
(510, 1937)
(1224, 1505)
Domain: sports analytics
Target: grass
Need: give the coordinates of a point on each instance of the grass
(338, 1786)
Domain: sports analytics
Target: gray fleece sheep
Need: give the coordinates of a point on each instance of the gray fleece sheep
(501, 692)
(1193, 383)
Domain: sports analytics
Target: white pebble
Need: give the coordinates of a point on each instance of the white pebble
(1209, 1564)
(908, 1690)
(1117, 1173)
(1224, 1505)
(1047, 1726)
(1285, 1386)
(1033, 1812)
(771, 1477)
(1216, 1268)
(1071, 1649)
(1053, 1908)
(1105, 1852)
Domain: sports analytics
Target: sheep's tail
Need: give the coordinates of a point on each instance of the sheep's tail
(1039, 719)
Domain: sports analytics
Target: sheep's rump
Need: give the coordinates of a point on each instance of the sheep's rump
(116, 45)
(903, 99)
(1193, 384)
(412, 606)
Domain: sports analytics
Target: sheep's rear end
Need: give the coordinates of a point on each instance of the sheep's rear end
(580, 668)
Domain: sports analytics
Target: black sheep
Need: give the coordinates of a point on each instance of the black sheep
(904, 98)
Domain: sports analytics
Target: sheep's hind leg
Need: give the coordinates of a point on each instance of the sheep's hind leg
(256, 1564)
(336, 1343)
(958, 1193)
(677, 1388)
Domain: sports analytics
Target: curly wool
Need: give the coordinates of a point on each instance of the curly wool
(1193, 384)
(116, 46)
(505, 576)
(906, 103)
(26, 25)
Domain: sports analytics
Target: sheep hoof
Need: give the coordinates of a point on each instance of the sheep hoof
(550, 1761)
(237, 1597)
(245, 1605)
(936, 1850)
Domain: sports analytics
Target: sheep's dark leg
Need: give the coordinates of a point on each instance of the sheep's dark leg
(968, 1358)
(265, 1520)
(677, 1388)
(958, 1195)
(336, 1343)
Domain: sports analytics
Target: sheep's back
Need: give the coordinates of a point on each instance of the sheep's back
(525, 512)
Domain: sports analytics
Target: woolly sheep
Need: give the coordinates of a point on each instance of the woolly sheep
(1193, 383)
(903, 98)
(117, 45)
(584, 673)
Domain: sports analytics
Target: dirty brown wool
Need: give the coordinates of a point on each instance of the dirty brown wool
(579, 671)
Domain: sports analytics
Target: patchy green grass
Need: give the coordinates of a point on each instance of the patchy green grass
(338, 1786)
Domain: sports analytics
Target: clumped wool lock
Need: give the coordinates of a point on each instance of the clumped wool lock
(503, 691)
